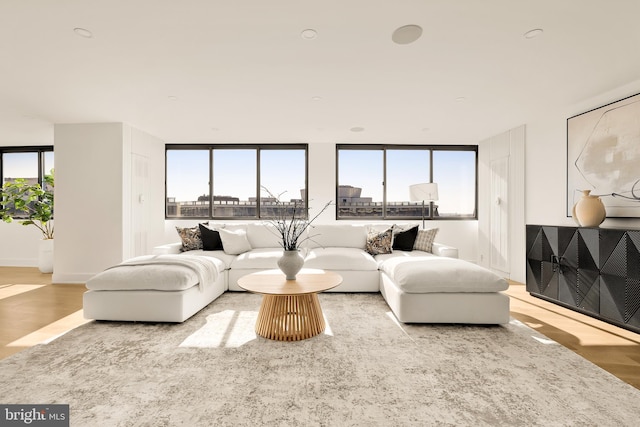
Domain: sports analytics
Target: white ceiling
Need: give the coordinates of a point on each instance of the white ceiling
(241, 71)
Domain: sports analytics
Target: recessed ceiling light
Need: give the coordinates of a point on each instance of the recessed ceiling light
(532, 34)
(461, 99)
(406, 34)
(356, 129)
(309, 34)
(172, 98)
(316, 98)
(83, 32)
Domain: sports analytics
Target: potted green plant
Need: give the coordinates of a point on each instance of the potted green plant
(31, 204)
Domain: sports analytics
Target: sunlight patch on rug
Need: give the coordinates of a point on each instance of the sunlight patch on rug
(540, 339)
(327, 330)
(226, 329)
(545, 341)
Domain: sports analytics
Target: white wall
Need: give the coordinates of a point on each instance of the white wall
(19, 245)
(93, 196)
(89, 179)
(546, 162)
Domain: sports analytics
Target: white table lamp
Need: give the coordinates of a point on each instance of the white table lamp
(424, 192)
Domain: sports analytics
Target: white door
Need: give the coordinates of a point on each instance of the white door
(499, 255)
(139, 204)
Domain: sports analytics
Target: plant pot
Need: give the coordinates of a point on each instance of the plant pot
(45, 256)
(291, 263)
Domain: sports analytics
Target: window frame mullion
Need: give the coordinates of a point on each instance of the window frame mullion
(258, 180)
(211, 183)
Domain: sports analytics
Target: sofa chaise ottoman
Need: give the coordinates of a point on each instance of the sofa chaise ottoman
(154, 288)
(432, 289)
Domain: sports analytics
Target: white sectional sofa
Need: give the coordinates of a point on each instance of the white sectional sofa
(419, 286)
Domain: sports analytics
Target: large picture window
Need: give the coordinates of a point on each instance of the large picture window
(374, 181)
(235, 181)
(31, 163)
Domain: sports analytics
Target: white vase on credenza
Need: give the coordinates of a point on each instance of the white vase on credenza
(45, 256)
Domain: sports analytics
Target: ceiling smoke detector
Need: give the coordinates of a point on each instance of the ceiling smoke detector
(309, 34)
(532, 34)
(406, 34)
(83, 32)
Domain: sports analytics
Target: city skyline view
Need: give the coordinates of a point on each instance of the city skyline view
(282, 173)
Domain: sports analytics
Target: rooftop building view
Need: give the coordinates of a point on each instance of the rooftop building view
(350, 204)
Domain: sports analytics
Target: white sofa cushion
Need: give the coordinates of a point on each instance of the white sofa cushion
(437, 274)
(381, 258)
(234, 242)
(226, 259)
(263, 235)
(340, 259)
(261, 258)
(157, 275)
(340, 236)
(444, 250)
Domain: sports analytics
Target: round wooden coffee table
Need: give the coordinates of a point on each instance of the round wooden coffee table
(290, 309)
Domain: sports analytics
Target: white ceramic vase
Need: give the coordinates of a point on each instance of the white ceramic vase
(589, 211)
(45, 256)
(291, 263)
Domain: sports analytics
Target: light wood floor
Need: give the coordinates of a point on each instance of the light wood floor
(614, 349)
(32, 310)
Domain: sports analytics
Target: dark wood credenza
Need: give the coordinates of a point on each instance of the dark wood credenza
(595, 271)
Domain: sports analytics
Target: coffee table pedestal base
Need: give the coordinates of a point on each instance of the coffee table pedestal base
(290, 317)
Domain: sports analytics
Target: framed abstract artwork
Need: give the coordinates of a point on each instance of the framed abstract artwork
(603, 155)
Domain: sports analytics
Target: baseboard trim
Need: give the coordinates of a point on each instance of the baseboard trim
(18, 262)
(73, 278)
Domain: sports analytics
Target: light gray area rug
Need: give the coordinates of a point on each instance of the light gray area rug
(365, 370)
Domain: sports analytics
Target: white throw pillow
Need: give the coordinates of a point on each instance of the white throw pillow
(234, 242)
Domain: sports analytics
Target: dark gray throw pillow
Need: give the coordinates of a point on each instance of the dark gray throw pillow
(210, 239)
(404, 240)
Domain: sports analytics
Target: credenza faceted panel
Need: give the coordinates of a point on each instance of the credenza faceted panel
(542, 278)
(593, 270)
(620, 276)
